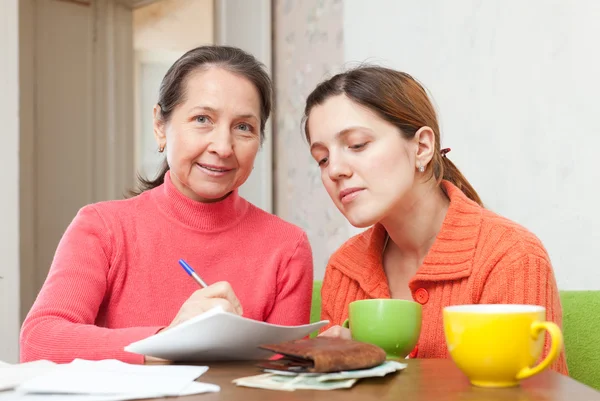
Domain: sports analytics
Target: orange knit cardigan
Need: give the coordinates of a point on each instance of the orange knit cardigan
(478, 257)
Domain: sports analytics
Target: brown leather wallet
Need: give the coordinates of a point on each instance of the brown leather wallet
(323, 355)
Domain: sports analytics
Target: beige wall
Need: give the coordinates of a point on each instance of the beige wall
(63, 125)
(9, 165)
(173, 25)
(308, 48)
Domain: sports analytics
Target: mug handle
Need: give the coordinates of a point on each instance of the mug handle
(556, 343)
(346, 323)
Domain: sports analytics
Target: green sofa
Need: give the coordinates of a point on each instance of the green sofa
(581, 328)
(315, 310)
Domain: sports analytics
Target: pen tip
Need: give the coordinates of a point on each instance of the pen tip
(186, 267)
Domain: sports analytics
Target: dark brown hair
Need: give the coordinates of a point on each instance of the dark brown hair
(399, 99)
(172, 88)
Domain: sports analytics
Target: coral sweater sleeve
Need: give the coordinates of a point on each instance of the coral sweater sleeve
(294, 288)
(61, 324)
(333, 283)
(527, 280)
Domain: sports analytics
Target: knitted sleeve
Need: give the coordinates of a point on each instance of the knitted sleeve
(333, 295)
(61, 324)
(526, 279)
(294, 287)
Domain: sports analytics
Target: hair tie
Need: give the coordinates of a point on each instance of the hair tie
(444, 151)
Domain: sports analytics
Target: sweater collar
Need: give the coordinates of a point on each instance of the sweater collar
(217, 216)
(450, 257)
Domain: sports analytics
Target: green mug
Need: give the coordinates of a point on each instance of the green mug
(392, 324)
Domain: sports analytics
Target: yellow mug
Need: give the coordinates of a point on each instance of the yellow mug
(498, 345)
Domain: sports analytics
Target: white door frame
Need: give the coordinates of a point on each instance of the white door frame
(9, 165)
(247, 25)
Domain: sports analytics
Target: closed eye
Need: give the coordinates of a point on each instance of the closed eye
(358, 146)
(323, 161)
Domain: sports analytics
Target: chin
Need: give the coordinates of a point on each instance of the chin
(360, 216)
(361, 221)
(210, 194)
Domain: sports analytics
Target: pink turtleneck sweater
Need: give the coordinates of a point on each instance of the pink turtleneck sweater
(115, 277)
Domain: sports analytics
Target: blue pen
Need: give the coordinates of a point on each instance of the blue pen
(192, 273)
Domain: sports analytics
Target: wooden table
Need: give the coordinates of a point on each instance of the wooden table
(422, 380)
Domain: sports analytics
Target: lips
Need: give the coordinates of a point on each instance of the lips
(348, 194)
(216, 169)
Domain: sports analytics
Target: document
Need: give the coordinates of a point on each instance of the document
(217, 335)
(106, 380)
(13, 375)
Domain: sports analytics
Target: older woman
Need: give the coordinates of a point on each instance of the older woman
(115, 278)
(374, 133)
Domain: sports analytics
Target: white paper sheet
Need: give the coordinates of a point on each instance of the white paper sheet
(107, 380)
(191, 389)
(13, 375)
(112, 377)
(218, 335)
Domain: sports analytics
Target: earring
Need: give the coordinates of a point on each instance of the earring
(161, 148)
(421, 168)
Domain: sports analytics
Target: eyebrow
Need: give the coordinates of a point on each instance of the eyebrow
(216, 111)
(343, 133)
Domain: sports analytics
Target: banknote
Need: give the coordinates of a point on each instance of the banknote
(272, 381)
(290, 381)
(377, 371)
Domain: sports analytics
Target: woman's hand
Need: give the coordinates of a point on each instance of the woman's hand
(218, 294)
(337, 332)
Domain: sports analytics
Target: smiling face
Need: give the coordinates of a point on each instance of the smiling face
(367, 166)
(213, 136)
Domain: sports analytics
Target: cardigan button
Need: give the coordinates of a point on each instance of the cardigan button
(421, 296)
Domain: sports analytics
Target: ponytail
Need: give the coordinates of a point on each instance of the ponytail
(444, 169)
(145, 184)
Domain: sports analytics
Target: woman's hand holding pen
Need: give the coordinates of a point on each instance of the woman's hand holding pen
(218, 294)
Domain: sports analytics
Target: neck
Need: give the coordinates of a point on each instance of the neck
(414, 224)
(201, 216)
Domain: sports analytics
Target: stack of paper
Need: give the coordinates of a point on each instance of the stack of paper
(13, 375)
(217, 335)
(106, 380)
(290, 381)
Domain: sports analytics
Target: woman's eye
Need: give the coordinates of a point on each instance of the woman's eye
(358, 146)
(202, 119)
(245, 127)
(323, 161)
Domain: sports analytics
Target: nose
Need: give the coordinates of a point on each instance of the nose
(221, 143)
(338, 168)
